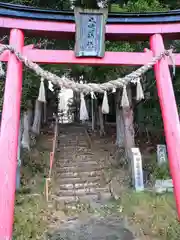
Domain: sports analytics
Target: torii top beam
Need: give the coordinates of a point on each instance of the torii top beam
(60, 24)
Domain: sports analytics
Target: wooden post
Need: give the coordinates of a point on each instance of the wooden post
(169, 114)
(119, 121)
(9, 136)
(92, 115)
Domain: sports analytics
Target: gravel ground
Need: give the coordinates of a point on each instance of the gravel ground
(94, 228)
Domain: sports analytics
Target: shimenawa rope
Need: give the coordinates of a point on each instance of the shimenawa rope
(89, 87)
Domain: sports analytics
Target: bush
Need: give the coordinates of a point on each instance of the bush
(162, 172)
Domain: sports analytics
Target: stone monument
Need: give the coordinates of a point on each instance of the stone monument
(161, 154)
(137, 170)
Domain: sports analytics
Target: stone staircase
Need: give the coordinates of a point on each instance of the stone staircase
(78, 175)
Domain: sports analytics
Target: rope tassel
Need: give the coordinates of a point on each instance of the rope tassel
(124, 100)
(173, 60)
(1, 70)
(93, 96)
(62, 102)
(139, 91)
(113, 90)
(83, 110)
(42, 97)
(105, 104)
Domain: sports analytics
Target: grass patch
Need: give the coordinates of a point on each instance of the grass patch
(150, 216)
(30, 218)
(162, 172)
(155, 215)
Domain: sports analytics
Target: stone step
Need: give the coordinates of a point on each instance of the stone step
(67, 143)
(76, 164)
(68, 157)
(75, 146)
(74, 199)
(73, 161)
(74, 153)
(78, 175)
(71, 136)
(78, 169)
(76, 180)
(84, 175)
(81, 198)
(78, 186)
(75, 149)
(80, 192)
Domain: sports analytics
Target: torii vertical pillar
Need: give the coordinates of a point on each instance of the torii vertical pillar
(9, 136)
(169, 114)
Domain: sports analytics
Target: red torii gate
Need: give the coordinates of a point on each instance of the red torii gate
(12, 98)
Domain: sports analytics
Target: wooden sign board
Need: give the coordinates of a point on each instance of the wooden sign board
(161, 154)
(137, 170)
(90, 32)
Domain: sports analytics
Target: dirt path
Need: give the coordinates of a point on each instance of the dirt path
(93, 227)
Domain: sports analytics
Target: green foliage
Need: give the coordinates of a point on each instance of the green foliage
(156, 214)
(28, 220)
(30, 90)
(157, 172)
(151, 215)
(54, 4)
(162, 172)
(144, 6)
(92, 4)
(140, 6)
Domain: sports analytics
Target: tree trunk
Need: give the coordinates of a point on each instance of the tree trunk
(119, 122)
(25, 136)
(101, 121)
(96, 115)
(18, 169)
(37, 118)
(30, 113)
(45, 113)
(128, 126)
(92, 114)
(77, 106)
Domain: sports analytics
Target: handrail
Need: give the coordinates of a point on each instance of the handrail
(51, 160)
(27, 12)
(52, 154)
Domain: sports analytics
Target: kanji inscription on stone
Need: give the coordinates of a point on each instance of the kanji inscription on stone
(137, 171)
(161, 154)
(90, 32)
